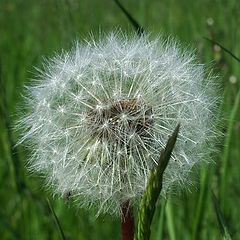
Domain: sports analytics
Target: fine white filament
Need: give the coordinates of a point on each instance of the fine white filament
(99, 115)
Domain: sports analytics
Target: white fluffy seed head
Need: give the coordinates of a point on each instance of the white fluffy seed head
(100, 114)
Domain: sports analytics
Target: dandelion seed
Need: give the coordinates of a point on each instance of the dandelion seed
(100, 114)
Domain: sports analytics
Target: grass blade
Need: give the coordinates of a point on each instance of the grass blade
(170, 221)
(139, 29)
(223, 48)
(153, 189)
(201, 205)
(57, 222)
(227, 145)
(20, 183)
(220, 218)
(230, 129)
(161, 222)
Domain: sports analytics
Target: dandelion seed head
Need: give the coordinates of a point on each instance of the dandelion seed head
(100, 114)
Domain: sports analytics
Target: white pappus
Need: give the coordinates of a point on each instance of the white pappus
(99, 115)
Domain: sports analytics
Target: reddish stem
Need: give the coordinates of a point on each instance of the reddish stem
(127, 222)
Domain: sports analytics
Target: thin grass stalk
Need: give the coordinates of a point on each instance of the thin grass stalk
(201, 204)
(56, 220)
(138, 28)
(170, 221)
(161, 221)
(221, 220)
(227, 147)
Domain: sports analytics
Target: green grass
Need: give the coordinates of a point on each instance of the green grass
(32, 29)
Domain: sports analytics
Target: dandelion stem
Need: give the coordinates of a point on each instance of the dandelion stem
(127, 223)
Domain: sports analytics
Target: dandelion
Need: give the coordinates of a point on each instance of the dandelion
(99, 115)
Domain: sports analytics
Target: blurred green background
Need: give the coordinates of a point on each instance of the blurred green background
(31, 30)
